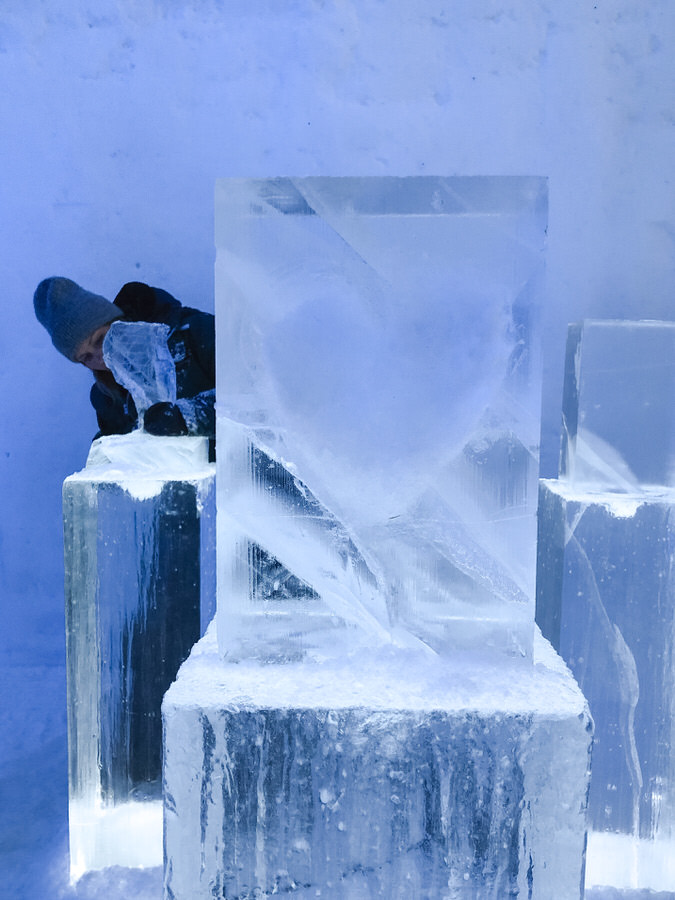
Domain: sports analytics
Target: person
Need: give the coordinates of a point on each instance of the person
(78, 320)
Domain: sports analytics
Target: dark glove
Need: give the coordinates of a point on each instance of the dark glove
(164, 420)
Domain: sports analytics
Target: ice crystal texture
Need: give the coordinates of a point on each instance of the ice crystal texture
(138, 356)
(377, 343)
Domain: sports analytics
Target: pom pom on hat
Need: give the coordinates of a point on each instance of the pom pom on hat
(70, 313)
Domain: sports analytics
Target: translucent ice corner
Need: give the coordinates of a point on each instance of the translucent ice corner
(618, 410)
(378, 412)
(139, 358)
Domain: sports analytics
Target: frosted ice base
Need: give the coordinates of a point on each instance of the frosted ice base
(606, 599)
(385, 775)
(377, 338)
(140, 560)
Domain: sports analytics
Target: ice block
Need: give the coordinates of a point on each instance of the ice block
(139, 531)
(377, 340)
(606, 591)
(389, 774)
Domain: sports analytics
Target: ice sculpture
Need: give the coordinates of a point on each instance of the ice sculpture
(368, 722)
(379, 334)
(138, 356)
(139, 530)
(606, 588)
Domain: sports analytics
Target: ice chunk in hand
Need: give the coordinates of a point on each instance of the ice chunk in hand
(139, 358)
(606, 585)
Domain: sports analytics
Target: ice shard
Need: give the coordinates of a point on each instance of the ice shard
(139, 530)
(377, 338)
(390, 775)
(606, 587)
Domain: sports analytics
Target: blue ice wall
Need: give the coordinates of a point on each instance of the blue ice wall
(116, 117)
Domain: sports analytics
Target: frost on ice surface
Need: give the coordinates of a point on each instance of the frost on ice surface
(377, 339)
(138, 356)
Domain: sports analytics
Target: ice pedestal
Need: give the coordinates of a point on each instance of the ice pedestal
(139, 529)
(606, 598)
(606, 588)
(618, 414)
(387, 774)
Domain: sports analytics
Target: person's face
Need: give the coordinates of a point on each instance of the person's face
(90, 351)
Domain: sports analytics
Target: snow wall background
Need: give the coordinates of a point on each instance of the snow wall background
(117, 117)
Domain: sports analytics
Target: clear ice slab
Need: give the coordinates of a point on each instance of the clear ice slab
(388, 774)
(377, 338)
(618, 411)
(138, 356)
(139, 533)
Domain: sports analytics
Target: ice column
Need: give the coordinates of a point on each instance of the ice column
(606, 586)
(367, 722)
(139, 528)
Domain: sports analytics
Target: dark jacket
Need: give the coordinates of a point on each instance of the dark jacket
(192, 345)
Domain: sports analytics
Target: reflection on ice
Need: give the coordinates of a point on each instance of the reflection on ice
(380, 333)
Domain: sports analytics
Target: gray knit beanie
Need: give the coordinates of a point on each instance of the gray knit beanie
(70, 314)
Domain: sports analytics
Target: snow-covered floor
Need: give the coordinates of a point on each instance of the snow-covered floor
(33, 792)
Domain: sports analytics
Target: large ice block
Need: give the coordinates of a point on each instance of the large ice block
(139, 531)
(606, 599)
(377, 345)
(384, 775)
(618, 410)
